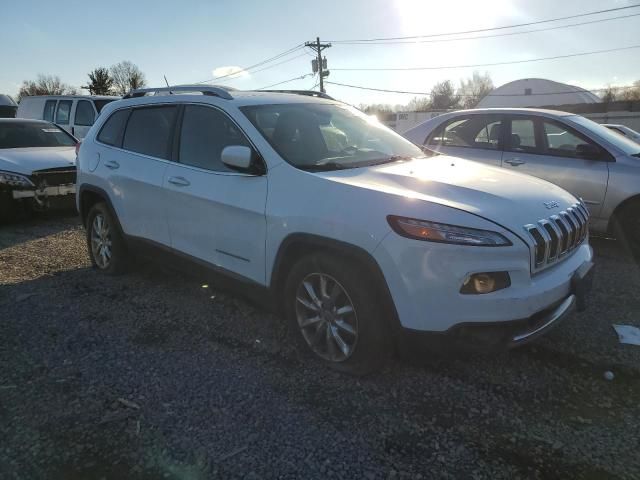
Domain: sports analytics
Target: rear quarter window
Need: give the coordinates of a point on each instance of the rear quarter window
(112, 131)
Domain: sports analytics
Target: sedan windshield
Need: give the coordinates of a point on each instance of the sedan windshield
(17, 134)
(313, 136)
(623, 143)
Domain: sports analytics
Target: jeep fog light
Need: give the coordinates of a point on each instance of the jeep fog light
(481, 283)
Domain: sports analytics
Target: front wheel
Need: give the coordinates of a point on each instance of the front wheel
(107, 248)
(336, 313)
(7, 207)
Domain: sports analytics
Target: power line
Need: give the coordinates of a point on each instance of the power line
(504, 27)
(279, 63)
(428, 94)
(479, 37)
(286, 81)
(263, 62)
(445, 67)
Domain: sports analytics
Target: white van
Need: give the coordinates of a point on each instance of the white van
(74, 113)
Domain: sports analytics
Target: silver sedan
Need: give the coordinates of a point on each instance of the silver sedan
(585, 158)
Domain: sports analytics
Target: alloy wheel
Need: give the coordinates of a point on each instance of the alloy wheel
(326, 317)
(101, 241)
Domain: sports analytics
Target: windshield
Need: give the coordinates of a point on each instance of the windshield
(33, 134)
(327, 136)
(626, 145)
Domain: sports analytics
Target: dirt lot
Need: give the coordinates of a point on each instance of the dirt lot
(153, 375)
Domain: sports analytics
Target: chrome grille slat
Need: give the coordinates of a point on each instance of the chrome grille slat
(584, 218)
(563, 225)
(558, 235)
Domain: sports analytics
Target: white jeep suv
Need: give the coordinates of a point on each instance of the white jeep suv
(358, 236)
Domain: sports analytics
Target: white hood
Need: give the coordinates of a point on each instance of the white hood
(505, 197)
(27, 160)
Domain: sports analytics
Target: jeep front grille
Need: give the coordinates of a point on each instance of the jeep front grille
(556, 236)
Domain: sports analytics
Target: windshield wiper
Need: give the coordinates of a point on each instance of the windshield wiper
(325, 167)
(636, 154)
(392, 158)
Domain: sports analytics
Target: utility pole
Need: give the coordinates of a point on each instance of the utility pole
(319, 65)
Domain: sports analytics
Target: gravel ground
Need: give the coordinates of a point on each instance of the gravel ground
(153, 375)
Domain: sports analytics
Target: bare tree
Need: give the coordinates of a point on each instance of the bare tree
(376, 108)
(126, 76)
(610, 94)
(46, 85)
(417, 104)
(474, 89)
(100, 82)
(443, 96)
(633, 93)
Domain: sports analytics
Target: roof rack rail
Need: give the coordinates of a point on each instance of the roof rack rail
(221, 92)
(308, 93)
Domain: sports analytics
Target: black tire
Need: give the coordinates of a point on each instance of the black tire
(7, 207)
(626, 227)
(372, 345)
(118, 259)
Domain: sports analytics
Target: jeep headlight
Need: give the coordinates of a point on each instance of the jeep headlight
(14, 180)
(444, 233)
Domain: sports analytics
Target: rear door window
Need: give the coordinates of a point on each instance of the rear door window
(149, 131)
(49, 110)
(113, 129)
(523, 136)
(63, 112)
(84, 113)
(473, 131)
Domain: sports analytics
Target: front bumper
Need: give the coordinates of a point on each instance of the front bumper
(515, 333)
(488, 337)
(424, 280)
(46, 192)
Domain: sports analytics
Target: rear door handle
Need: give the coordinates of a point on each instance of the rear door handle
(112, 164)
(179, 181)
(515, 162)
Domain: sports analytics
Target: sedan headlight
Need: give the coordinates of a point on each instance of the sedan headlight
(14, 180)
(443, 233)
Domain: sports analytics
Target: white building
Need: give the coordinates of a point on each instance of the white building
(7, 106)
(536, 92)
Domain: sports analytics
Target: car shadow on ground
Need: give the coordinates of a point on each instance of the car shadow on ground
(35, 225)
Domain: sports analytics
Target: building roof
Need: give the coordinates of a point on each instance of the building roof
(536, 92)
(7, 101)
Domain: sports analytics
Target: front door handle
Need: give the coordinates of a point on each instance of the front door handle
(179, 181)
(112, 164)
(515, 162)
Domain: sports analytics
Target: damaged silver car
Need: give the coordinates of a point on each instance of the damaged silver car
(37, 166)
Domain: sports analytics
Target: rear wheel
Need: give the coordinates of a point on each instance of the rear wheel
(335, 312)
(626, 225)
(107, 248)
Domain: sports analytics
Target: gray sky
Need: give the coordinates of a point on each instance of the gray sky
(192, 41)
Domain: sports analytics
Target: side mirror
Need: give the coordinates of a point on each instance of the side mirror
(240, 158)
(587, 151)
